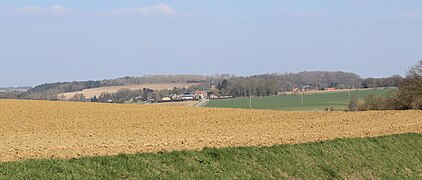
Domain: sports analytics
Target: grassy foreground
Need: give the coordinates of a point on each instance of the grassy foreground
(311, 102)
(396, 156)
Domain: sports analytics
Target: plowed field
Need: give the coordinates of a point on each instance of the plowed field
(42, 129)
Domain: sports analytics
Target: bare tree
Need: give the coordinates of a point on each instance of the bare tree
(410, 91)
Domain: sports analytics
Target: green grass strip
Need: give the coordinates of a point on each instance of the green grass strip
(389, 157)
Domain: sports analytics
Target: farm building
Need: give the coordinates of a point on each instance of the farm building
(166, 99)
(187, 95)
(201, 94)
(174, 97)
(310, 88)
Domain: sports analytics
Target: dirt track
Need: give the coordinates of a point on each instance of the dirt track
(41, 129)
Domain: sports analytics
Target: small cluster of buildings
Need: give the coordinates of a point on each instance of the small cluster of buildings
(196, 95)
(187, 96)
(310, 88)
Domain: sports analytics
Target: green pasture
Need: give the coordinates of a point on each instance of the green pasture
(311, 102)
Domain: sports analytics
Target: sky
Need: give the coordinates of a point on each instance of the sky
(64, 40)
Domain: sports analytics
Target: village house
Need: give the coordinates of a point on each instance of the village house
(201, 94)
(166, 99)
(187, 96)
(175, 97)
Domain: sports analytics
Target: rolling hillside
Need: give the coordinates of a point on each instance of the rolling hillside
(89, 93)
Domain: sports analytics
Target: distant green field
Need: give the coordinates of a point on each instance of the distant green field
(389, 157)
(311, 102)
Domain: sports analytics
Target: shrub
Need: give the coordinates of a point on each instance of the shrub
(409, 95)
(360, 105)
(417, 103)
(353, 104)
(370, 102)
(397, 102)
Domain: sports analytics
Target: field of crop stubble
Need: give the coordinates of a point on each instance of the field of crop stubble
(43, 129)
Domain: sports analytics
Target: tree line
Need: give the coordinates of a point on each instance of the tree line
(225, 84)
(273, 84)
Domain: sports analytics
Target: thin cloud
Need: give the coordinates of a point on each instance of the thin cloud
(60, 9)
(159, 9)
(306, 14)
(409, 15)
(35, 10)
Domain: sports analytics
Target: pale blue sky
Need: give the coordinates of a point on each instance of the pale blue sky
(64, 40)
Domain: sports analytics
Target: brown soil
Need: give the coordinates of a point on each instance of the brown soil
(89, 93)
(42, 129)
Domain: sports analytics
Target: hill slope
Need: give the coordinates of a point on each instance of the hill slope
(90, 93)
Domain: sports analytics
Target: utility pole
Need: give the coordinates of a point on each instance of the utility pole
(301, 97)
(374, 83)
(250, 101)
